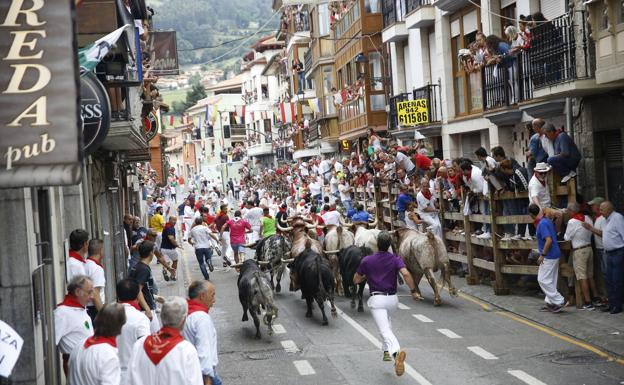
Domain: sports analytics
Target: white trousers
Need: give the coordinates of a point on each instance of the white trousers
(547, 275)
(188, 223)
(381, 307)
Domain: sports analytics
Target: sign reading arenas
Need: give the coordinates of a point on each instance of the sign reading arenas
(40, 114)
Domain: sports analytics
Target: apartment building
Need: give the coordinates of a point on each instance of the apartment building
(571, 76)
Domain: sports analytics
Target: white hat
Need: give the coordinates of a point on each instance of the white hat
(542, 167)
(464, 52)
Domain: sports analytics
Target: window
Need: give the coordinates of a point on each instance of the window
(467, 86)
(372, 6)
(510, 13)
(620, 12)
(375, 70)
(323, 19)
(328, 83)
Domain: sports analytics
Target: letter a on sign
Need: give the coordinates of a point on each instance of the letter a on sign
(10, 348)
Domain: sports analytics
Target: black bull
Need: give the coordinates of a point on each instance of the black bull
(273, 249)
(255, 294)
(349, 259)
(312, 274)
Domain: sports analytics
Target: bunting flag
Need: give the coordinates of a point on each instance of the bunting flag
(171, 120)
(314, 105)
(252, 115)
(91, 55)
(263, 115)
(287, 112)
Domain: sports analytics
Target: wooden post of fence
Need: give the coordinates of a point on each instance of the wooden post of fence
(472, 278)
(500, 286)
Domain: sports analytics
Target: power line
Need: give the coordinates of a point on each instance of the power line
(222, 43)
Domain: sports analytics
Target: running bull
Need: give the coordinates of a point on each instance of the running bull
(272, 250)
(255, 295)
(350, 259)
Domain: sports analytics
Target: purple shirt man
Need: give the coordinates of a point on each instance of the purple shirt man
(381, 270)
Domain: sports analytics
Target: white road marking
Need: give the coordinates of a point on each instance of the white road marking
(304, 368)
(290, 346)
(449, 333)
(278, 329)
(524, 377)
(408, 368)
(479, 351)
(422, 318)
(403, 307)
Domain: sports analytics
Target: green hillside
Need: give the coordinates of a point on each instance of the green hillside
(208, 23)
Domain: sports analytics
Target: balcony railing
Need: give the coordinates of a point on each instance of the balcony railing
(559, 53)
(347, 20)
(352, 109)
(431, 92)
(393, 119)
(393, 11)
(238, 130)
(307, 60)
(415, 4)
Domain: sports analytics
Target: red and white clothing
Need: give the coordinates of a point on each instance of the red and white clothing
(72, 324)
(95, 271)
(137, 325)
(164, 358)
(75, 265)
(200, 331)
(95, 362)
(427, 201)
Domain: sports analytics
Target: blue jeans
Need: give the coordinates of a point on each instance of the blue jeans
(347, 205)
(401, 215)
(615, 272)
(563, 166)
(602, 257)
(204, 255)
(216, 380)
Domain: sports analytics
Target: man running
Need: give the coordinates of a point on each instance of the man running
(380, 270)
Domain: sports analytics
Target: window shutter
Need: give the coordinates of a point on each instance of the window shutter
(553, 8)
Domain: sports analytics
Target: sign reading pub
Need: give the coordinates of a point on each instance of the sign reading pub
(40, 141)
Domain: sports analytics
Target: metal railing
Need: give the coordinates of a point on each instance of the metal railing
(559, 53)
(415, 4)
(393, 11)
(307, 60)
(352, 109)
(238, 130)
(347, 20)
(431, 92)
(393, 118)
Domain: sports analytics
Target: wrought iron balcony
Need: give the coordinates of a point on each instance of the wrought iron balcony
(415, 4)
(393, 11)
(559, 54)
(431, 92)
(307, 60)
(393, 119)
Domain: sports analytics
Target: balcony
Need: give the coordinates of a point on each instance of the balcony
(351, 17)
(393, 16)
(298, 30)
(307, 61)
(393, 119)
(260, 149)
(557, 65)
(321, 51)
(451, 5)
(431, 94)
(238, 132)
(420, 14)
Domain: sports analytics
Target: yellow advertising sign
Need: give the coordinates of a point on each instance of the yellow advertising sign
(412, 113)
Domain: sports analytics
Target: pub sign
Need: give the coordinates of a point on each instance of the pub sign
(40, 144)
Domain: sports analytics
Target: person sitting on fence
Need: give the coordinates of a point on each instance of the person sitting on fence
(536, 153)
(412, 220)
(539, 194)
(427, 209)
(488, 165)
(567, 156)
(582, 254)
(473, 179)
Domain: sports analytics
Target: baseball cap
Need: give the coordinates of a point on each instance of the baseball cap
(596, 201)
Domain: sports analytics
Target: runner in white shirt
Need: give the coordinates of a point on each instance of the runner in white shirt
(166, 358)
(95, 360)
(331, 218)
(78, 247)
(200, 330)
(137, 324)
(72, 324)
(95, 272)
(539, 193)
(254, 217)
(427, 209)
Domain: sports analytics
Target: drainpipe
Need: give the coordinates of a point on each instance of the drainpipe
(568, 117)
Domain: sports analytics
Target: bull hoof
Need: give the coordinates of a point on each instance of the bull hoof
(278, 288)
(245, 318)
(270, 332)
(360, 309)
(437, 302)
(309, 314)
(453, 292)
(258, 336)
(325, 323)
(334, 313)
(352, 305)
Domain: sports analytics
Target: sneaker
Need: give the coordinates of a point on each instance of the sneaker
(399, 363)
(386, 356)
(477, 233)
(566, 178)
(588, 306)
(210, 267)
(505, 237)
(547, 307)
(485, 235)
(165, 275)
(559, 308)
(516, 237)
(597, 302)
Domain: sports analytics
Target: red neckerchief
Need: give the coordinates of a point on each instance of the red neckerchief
(134, 304)
(221, 213)
(579, 217)
(96, 340)
(543, 182)
(427, 194)
(536, 222)
(282, 210)
(268, 216)
(75, 255)
(71, 300)
(169, 225)
(157, 345)
(194, 306)
(468, 176)
(332, 209)
(96, 262)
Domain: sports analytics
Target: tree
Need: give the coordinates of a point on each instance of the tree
(195, 94)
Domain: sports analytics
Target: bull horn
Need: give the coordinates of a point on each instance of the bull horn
(308, 226)
(345, 224)
(288, 260)
(251, 245)
(283, 229)
(238, 265)
(263, 263)
(373, 224)
(331, 251)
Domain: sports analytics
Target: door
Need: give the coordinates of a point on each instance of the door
(614, 168)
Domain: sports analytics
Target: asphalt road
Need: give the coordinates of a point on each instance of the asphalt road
(461, 342)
